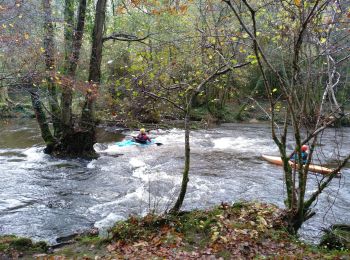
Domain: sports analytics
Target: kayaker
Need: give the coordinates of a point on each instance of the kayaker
(304, 154)
(142, 137)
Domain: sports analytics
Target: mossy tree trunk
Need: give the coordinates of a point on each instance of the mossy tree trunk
(67, 93)
(49, 47)
(178, 204)
(68, 141)
(80, 141)
(42, 121)
(74, 141)
(88, 114)
(73, 42)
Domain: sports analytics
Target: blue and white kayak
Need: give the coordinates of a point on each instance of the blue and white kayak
(130, 142)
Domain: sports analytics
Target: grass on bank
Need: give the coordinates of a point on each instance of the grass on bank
(238, 231)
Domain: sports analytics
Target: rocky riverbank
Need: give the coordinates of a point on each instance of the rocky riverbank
(238, 231)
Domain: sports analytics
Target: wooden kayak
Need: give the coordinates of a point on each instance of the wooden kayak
(312, 168)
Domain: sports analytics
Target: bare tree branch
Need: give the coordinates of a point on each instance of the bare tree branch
(125, 37)
(332, 175)
(164, 98)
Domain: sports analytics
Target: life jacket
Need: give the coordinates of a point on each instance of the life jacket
(142, 138)
(304, 155)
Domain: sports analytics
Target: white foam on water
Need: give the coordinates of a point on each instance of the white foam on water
(113, 149)
(243, 144)
(148, 175)
(169, 137)
(201, 185)
(139, 168)
(99, 208)
(91, 165)
(136, 163)
(139, 194)
(162, 175)
(108, 221)
(140, 173)
(34, 154)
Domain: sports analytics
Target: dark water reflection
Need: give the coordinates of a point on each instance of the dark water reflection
(45, 198)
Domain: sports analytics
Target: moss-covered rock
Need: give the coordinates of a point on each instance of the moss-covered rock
(336, 237)
(11, 247)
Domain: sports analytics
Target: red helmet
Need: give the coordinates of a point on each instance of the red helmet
(304, 148)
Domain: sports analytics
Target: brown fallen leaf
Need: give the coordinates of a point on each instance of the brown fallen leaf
(111, 247)
(142, 243)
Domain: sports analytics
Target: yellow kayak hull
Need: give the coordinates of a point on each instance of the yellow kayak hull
(312, 167)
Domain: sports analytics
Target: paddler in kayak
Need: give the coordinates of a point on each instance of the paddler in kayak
(304, 154)
(142, 137)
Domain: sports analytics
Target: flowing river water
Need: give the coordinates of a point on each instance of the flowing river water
(45, 198)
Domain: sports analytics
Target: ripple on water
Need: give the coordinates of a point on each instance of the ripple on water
(14, 204)
(58, 197)
(12, 154)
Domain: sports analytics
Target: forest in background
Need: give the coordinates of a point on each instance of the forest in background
(168, 48)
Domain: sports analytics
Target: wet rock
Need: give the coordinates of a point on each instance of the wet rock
(65, 239)
(70, 238)
(100, 147)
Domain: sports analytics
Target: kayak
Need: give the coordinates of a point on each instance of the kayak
(312, 167)
(131, 142)
(127, 143)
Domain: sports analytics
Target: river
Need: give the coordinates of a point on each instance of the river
(45, 198)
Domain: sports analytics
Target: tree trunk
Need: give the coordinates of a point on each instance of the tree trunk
(96, 49)
(42, 121)
(49, 54)
(88, 113)
(185, 178)
(66, 141)
(3, 96)
(67, 93)
(5, 110)
(73, 42)
(80, 142)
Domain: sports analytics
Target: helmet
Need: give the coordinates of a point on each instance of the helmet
(304, 148)
(142, 130)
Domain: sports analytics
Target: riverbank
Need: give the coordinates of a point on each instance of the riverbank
(201, 117)
(238, 231)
